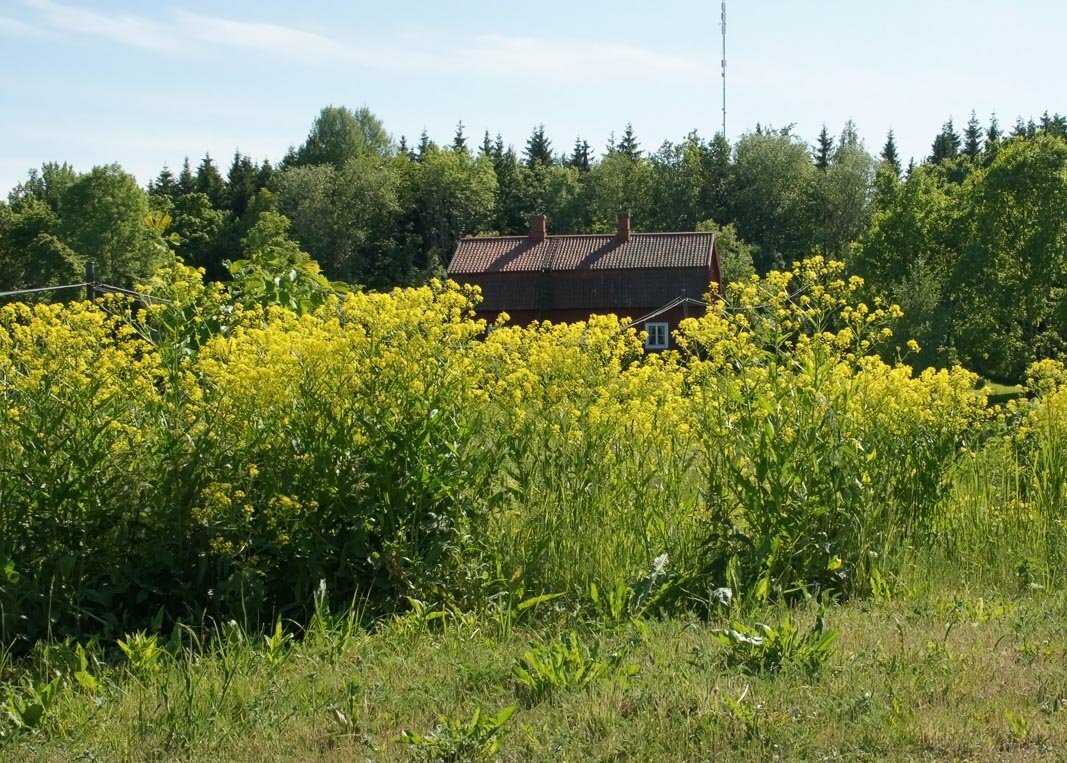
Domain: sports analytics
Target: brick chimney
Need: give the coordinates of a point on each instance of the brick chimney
(538, 228)
(624, 227)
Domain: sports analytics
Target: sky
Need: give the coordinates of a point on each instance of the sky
(147, 83)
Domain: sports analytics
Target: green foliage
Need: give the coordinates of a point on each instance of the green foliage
(538, 148)
(735, 256)
(102, 218)
(27, 708)
(565, 664)
(617, 182)
(144, 654)
(348, 218)
(210, 183)
(774, 180)
(199, 226)
(458, 740)
(762, 648)
(339, 134)
(977, 266)
(275, 271)
(450, 194)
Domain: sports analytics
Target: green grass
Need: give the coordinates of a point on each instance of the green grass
(948, 674)
(1002, 393)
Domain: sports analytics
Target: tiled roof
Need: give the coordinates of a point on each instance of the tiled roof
(643, 251)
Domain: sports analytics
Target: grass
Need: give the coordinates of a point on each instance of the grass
(950, 674)
(1001, 393)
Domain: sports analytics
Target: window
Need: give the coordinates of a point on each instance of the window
(657, 336)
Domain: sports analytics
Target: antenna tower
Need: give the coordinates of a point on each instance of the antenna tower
(724, 69)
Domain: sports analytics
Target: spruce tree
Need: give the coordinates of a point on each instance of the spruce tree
(889, 153)
(459, 143)
(946, 144)
(581, 156)
(628, 146)
(538, 148)
(850, 137)
(164, 184)
(424, 144)
(487, 146)
(972, 138)
(242, 182)
(1055, 125)
(210, 183)
(266, 172)
(1024, 129)
(403, 149)
(993, 133)
(824, 149)
(186, 181)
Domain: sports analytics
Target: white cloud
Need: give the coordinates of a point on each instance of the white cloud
(127, 29)
(16, 28)
(258, 35)
(486, 55)
(581, 59)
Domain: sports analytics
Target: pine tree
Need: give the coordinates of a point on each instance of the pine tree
(946, 144)
(824, 149)
(186, 181)
(487, 146)
(890, 156)
(581, 157)
(628, 146)
(459, 143)
(403, 149)
(911, 167)
(210, 183)
(972, 138)
(538, 148)
(164, 184)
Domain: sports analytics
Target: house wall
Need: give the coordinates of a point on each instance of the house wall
(672, 317)
(626, 292)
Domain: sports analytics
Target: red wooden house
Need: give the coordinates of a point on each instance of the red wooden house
(655, 279)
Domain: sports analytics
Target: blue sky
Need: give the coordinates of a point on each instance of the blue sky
(144, 83)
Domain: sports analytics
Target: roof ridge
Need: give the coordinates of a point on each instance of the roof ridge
(635, 234)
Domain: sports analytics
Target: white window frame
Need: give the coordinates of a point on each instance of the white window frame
(657, 335)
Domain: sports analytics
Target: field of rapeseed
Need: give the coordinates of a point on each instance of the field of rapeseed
(210, 459)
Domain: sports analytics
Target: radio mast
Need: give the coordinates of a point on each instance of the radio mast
(724, 69)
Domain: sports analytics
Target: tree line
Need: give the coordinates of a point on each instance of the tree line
(970, 240)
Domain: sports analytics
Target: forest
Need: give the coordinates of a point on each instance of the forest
(969, 241)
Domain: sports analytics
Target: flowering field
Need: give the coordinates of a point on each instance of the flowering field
(211, 459)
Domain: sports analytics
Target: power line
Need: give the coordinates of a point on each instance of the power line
(40, 289)
(129, 293)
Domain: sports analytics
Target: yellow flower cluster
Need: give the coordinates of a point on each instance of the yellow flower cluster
(386, 430)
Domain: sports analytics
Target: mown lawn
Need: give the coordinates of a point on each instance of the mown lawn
(953, 675)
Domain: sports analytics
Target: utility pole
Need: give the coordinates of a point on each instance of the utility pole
(90, 280)
(724, 69)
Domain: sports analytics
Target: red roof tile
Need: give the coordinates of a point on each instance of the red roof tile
(595, 252)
